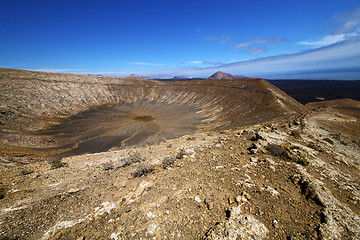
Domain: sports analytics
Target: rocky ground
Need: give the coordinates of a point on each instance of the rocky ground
(296, 178)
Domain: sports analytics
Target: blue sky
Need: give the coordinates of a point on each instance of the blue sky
(165, 38)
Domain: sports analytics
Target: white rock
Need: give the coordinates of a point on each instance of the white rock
(272, 191)
(151, 229)
(239, 226)
(115, 236)
(150, 215)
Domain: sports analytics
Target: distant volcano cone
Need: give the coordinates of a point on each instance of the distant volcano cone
(223, 75)
(137, 76)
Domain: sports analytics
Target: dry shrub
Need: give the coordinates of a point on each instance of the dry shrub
(26, 172)
(143, 170)
(276, 150)
(168, 161)
(56, 163)
(108, 166)
(133, 158)
(295, 133)
(294, 154)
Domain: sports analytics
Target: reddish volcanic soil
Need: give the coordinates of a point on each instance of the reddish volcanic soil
(209, 159)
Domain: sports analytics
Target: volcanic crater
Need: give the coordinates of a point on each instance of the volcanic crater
(190, 159)
(59, 115)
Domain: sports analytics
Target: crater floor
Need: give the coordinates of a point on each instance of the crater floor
(115, 126)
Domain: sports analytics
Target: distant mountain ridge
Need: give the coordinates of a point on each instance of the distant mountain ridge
(224, 75)
(137, 76)
(179, 77)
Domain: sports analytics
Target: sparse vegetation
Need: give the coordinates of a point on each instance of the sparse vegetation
(253, 149)
(25, 172)
(168, 161)
(302, 158)
(133, 158)
(294, 154)
(256, 137)
(181, 154)
(108, 166)
(275, 150)
(191, 138)
(143, 170)
(295, 133)
(335, 136)
(56, 163)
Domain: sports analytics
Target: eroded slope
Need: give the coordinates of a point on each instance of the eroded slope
(32, 101)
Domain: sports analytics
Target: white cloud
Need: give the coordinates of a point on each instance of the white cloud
(325, 41)
(223, 38)
(195, 62)
(256, 51)
(213, 63)
(205, 62)
(259, 41)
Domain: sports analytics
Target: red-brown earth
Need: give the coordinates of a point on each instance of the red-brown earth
(255, 165)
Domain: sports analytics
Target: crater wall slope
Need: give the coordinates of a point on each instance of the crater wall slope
(32, 101)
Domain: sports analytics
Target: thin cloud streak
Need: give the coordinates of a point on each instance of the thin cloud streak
(325, 41)
(206, 62)
(223, 38)
(249, 43)
(213, 63)
(256, 51)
